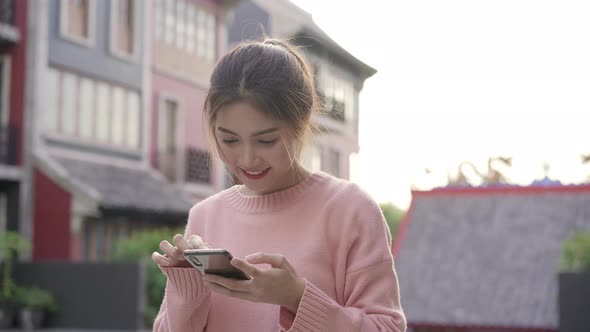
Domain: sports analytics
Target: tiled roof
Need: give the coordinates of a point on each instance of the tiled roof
(477, 257)
(128, 189)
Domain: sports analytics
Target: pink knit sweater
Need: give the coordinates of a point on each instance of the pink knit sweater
(328, 229)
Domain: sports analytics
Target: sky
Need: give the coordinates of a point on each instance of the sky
(465, 80)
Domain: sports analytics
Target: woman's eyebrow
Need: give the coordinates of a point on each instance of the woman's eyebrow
(258, 133)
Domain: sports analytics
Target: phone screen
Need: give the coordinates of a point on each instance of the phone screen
(214, 261)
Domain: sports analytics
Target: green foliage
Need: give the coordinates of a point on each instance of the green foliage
(139, 247)
(11, 245)
(576, 252)
(393, 215)
(36, 298)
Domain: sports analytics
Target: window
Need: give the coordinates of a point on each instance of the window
(77, 19)
(180, 19)
(93, 110)
(133, 119)
(191, 18)
(51, 113)
(169, 24)
(86, 107)
(210, 37)
(123, 17)
(159, 19)
(167, 139)
(201, 25)
(4, 89)
(103, 110)
(206, 35)
(69, 98)
(339, 97)
(118, 116)
(316, 158)
(335, 162)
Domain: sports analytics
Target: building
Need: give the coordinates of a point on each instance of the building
(109, 100)
(13, 50)
(486, 259)
(339, 76)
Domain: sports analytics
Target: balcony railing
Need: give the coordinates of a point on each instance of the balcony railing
(332, 107)
(8, 31)
(197, 165)
(9, 141)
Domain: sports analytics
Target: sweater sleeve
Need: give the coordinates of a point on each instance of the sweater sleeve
(373, 305)
(370, 298)
(185, 306)
(186, 302)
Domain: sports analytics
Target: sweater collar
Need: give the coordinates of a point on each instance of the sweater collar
(273, 201)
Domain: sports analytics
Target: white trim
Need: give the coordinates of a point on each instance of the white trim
(78, 141)
(180, 142)
(14, 173)
(91, 157)
(134, 56)
(6, 72)
(63, 23)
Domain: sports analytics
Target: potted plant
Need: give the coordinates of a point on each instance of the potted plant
(35, 303)
(11, 245)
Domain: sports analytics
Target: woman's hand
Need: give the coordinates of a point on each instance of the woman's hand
(278, 285)
(173, 256)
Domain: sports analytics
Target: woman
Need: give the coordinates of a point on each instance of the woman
(317, 248)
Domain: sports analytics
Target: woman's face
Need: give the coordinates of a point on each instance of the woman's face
(255, 148)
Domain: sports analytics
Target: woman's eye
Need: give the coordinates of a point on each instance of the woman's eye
(271, 141)
(229, 141)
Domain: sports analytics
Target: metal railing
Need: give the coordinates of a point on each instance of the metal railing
(7, 11)
(9, 141)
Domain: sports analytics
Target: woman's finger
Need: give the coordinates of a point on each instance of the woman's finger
(249, 269)
(159, 259)
(274, 260)
(171, 251)
(181, 243)
(197, 242)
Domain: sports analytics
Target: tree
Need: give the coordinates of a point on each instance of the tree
(575, 255)
(393, 215)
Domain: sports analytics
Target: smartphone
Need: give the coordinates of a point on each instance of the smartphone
(214, 261)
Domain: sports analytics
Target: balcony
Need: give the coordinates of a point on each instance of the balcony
(9, 142)
(9, 33)
(198, 166)
(197, 163)
(332, 107)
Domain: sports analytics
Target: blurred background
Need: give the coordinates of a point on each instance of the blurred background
(465, 120)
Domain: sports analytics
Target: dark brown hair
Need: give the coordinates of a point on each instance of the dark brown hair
(272, 76)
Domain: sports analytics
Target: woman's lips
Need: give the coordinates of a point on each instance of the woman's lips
(255, 175)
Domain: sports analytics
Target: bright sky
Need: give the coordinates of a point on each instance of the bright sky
(463, 80)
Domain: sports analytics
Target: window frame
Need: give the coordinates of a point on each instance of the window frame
(180, 132)
(90, 41)
(113, 22)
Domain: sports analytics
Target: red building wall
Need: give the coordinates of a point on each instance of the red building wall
(51, 226)
(18, 60)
